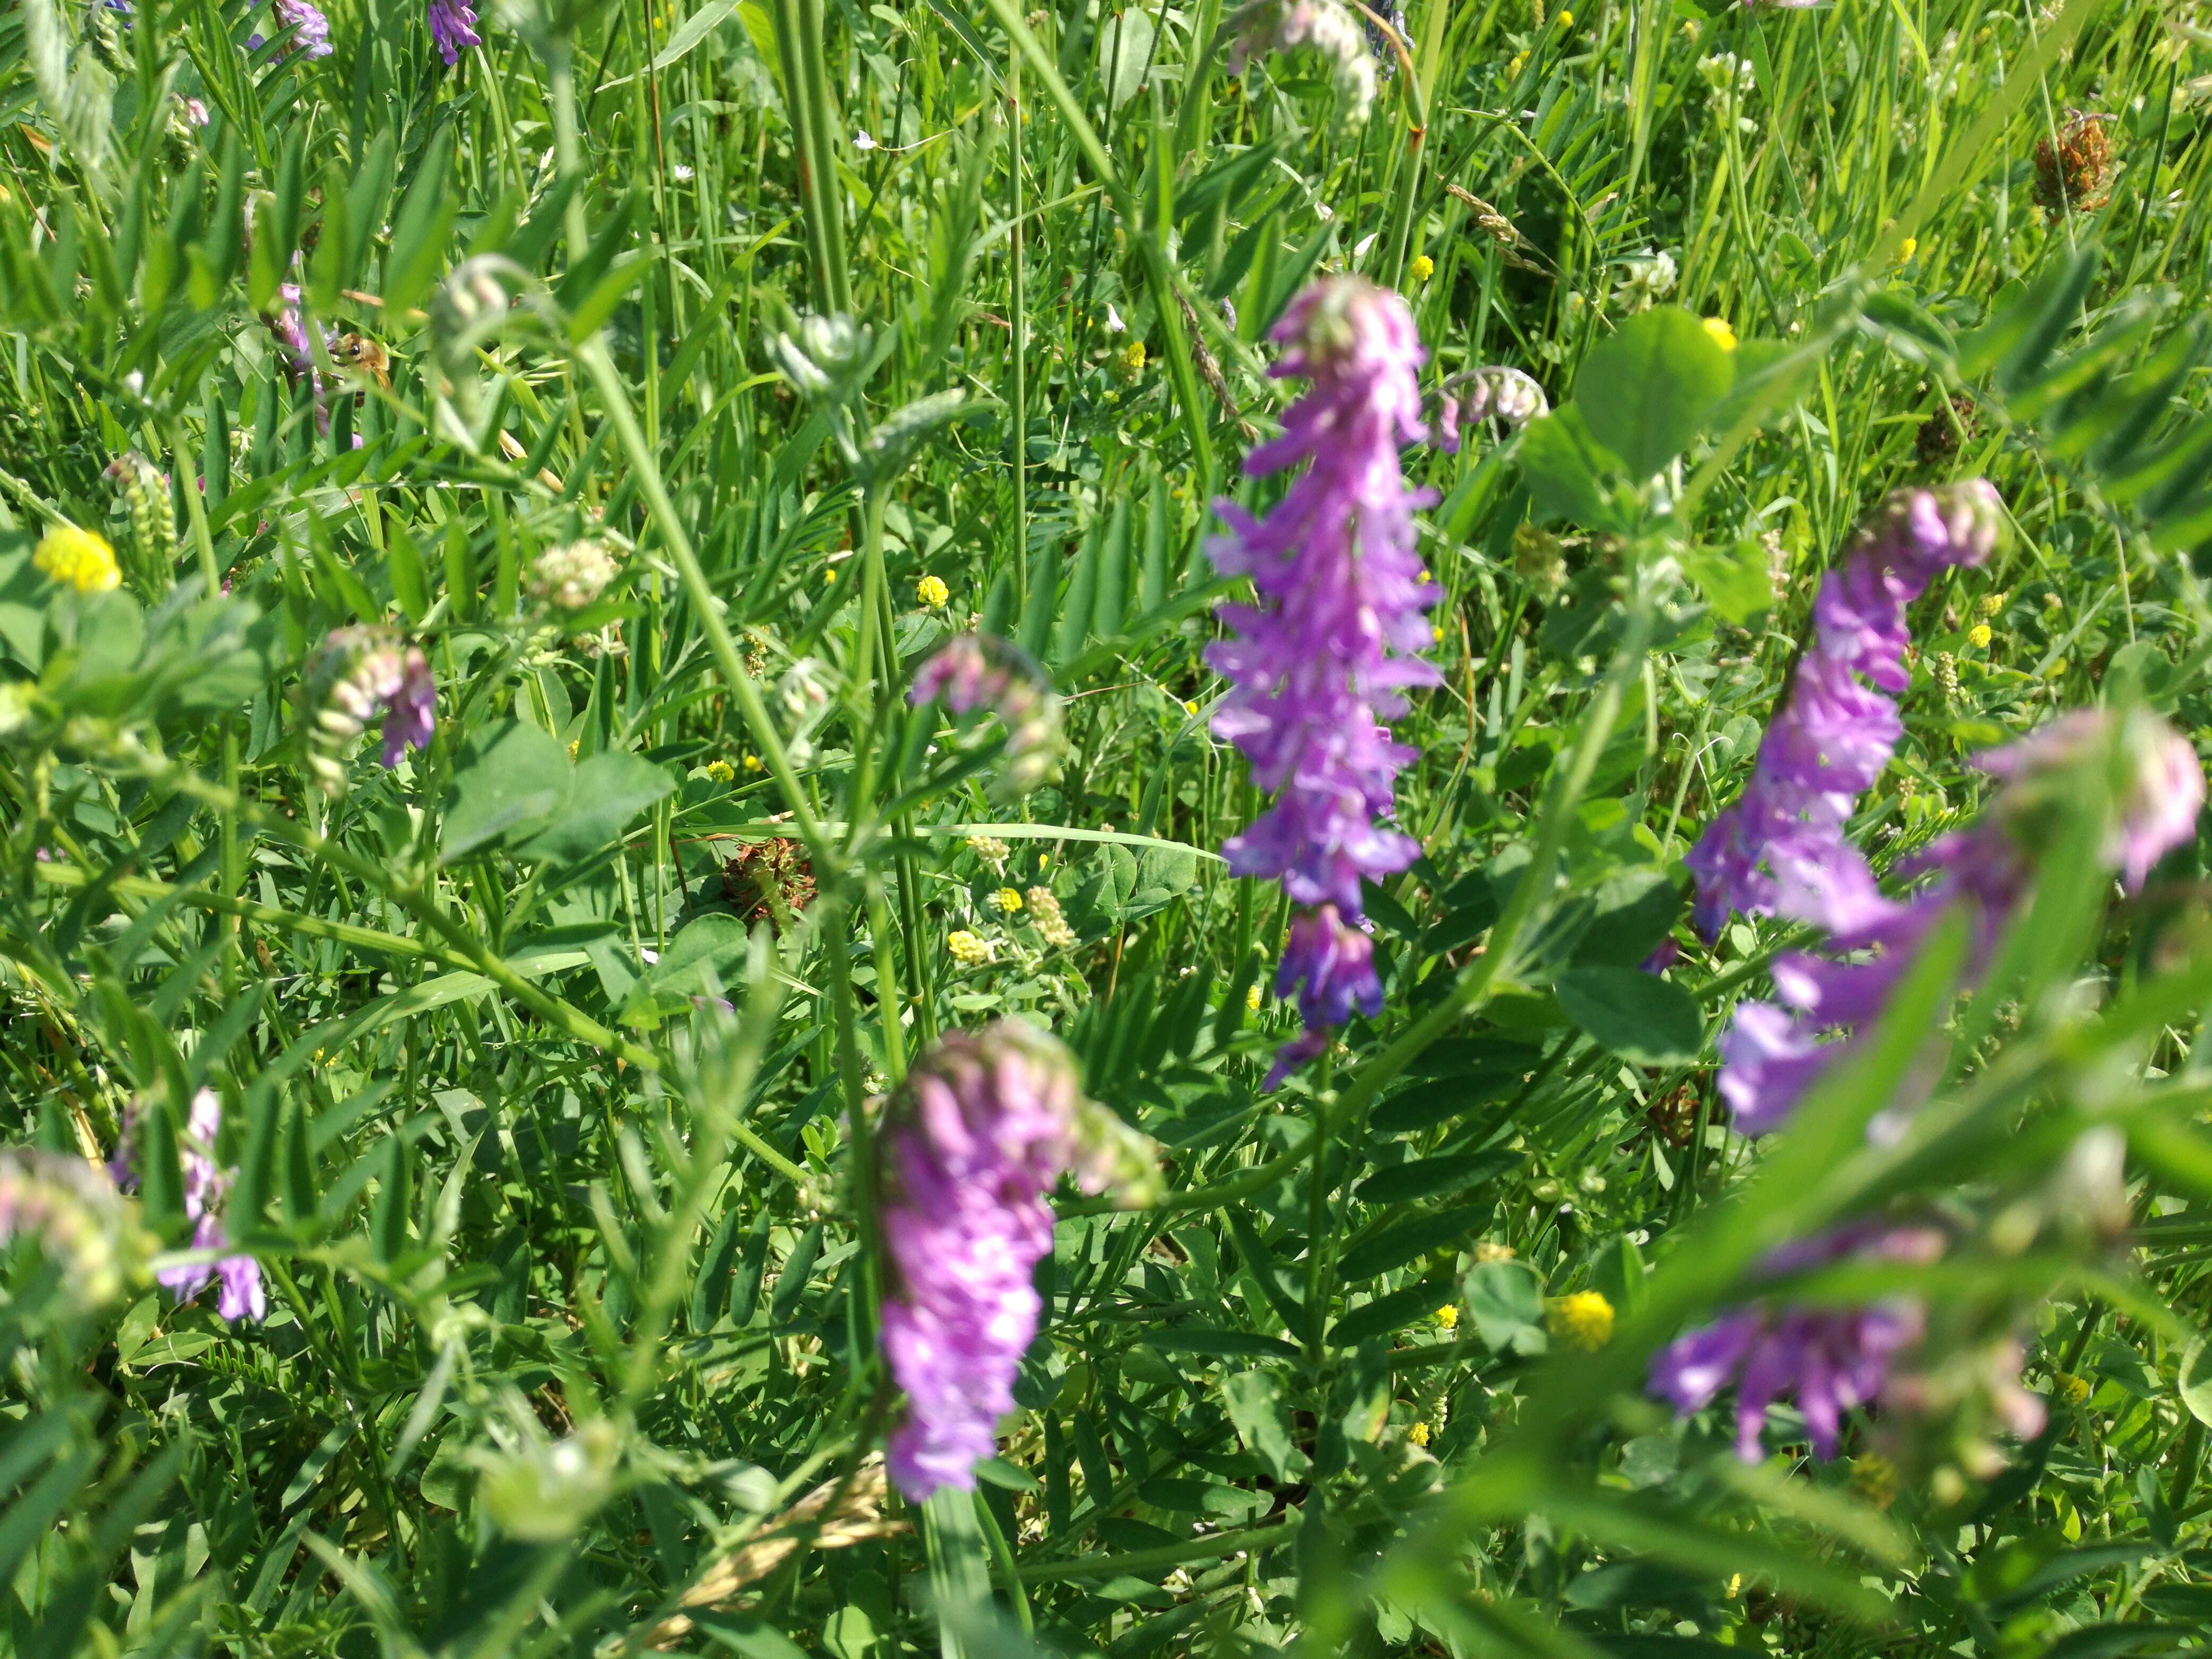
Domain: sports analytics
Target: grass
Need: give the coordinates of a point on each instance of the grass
(545, 1058)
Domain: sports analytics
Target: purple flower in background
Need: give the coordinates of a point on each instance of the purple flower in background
(980, 671)
(1828, 1359)
(357, 674)
(453, 28)
(1320, 665)
(304, 30)
(1780, 849)
(205, 1182)
(299, 357)
(982, 1127)
(1772, 1051)
(1330, 964)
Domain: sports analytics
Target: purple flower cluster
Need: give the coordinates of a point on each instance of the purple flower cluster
(1772, 1051)
(453, 28)
(1828, 1359)
(980, 671)
(358, 672)
(982, 1127)
(1780, 849)
(1320, 663)
(302, 27)
(205, 1182)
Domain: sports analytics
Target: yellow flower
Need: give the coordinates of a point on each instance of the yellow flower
(1723, 335)
(574, 744)
(1131, 360)
(1044, 859)
(1422, 269)
(1437, 633)
(1907, 249)
(1448, 1315)
(1978, 635)
(932, 592)
(1873, 1478)
(752, 762)
(1419, 1434)
(1490, 1250)
(1585, 1319)
(1519, 62)
(2071, 1388)
(78, 558)
(1007, 900)
(968, 951)
(830, 575)
(1252, 998)
(720, 770)
(1566, 20)
(1990, 603)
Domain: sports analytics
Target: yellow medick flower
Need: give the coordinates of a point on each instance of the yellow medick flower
(932, 592)
(79, 559)
(1907, 249)
(1990, 603)
(830, 575)
(1131, 360)
(1566, 20)
(1585, 1319)
(1448, 1315)
(1520, 62)
(2071, 1388)
(1419, 1434)
(1723, 335)
(1422, 269)
(1252, 998)
(967, 950)
(752, 762)
(1007, 900)
(1980, 636)
(721, 771)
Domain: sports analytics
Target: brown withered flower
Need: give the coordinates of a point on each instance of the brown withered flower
(769, 881)
(1943, 431)
(2072, 169)
(1674, 1115)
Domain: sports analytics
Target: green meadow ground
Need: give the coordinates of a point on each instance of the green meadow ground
(571, 1274)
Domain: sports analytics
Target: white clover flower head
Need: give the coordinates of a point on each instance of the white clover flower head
(573, 574)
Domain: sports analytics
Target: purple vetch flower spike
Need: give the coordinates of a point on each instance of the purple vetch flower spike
(359, 674)
(205, 1183)
(1780, 849)
(453, 28)
(302, 27)
(977, 1136)
(410, 709)
(980, 671)
(1772, 1051)
(1320, 663)
(1830, 1360)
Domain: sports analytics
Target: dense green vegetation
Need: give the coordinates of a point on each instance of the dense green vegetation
(549, 1061)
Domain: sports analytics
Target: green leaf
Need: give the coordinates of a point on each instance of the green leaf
(1636, 1015)
(1255, 1400)
(425, 223)
(510, 775)
(1396, 1245)
(1504, 1301)
(2195, 1381)
(1568, 471)
(1125, 48)
(1734, 580)
(1646, 391)
(1212, 1342)
(603, 794)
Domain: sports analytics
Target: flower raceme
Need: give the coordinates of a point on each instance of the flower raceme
(1773, 1052)
(980, 671)
(1320, 665)
(205, 1182)
(453, 28)
(982, 1127)
(1780, 850)
(356, 672)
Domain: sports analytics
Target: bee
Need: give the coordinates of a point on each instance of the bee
(358, 351)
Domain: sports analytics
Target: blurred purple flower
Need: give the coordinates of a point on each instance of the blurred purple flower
(982, 1127)
(356, 674)
(304, 29)
(410, 709)
(1319, 665)
(1772, 1051)
(453, 28)
(205, 1182)
(1780, 849)
(980, 671)
(1828, 1359)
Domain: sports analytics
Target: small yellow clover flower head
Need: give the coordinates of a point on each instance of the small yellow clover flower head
(1584, 1319)
(1566, 20)
(933, 591)
(1990, 603)
(1252, 998)
(79, 559)
(721, 771)
(1419, 1434)
(1448, 1315)
(1723, 335)
(752, 762)
(2071, 1388)
(1422, 269)
(1907, 249)
(1980, 636)
(1129, 361)
(967, 950)
(1007, 900)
